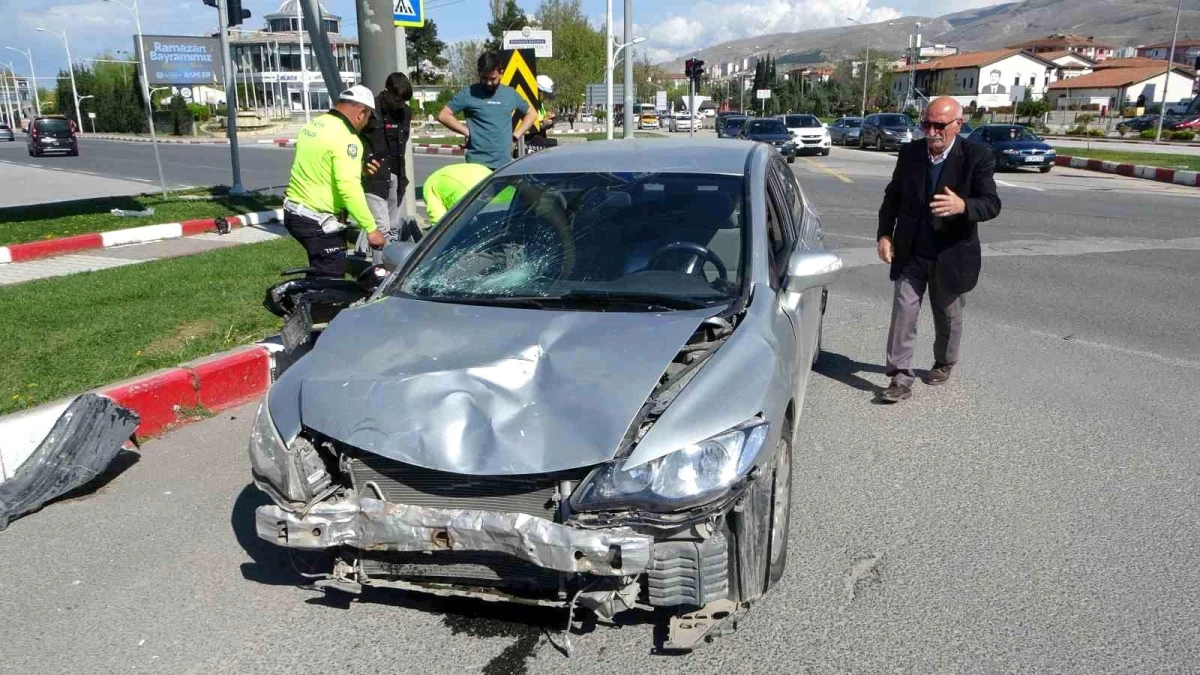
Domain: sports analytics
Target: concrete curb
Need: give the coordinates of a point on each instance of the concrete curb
(181, 141)
(1132, 139)
(132, 235)
(163, 400)
(1155, 173)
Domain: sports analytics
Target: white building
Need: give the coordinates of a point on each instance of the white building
(991, 79)
(1117, 88)
(268, 61)
(1070, 64)
(1187, 52)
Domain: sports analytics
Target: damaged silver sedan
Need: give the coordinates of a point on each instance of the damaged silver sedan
(583, 389)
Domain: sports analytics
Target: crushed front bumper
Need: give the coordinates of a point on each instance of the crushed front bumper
(374, 525)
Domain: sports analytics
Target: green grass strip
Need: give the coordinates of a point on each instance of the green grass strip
(1185, 162)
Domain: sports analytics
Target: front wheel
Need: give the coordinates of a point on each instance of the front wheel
(791, 159)
(1045, 169)
(781, 507)
(879, 144)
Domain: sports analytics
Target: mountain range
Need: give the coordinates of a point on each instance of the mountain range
(1118, 23)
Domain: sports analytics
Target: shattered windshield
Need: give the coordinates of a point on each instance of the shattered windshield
(676, 239)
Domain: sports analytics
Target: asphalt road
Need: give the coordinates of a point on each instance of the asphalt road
(263, 166)
(1038, 513)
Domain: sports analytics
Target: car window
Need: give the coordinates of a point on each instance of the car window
(802, 121)
(546, 235)
(767, 127)
(782, 228)
(853, 124)
(53, 127)
(894, 120)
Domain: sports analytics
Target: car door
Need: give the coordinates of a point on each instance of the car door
(835, 132)
(783, 232)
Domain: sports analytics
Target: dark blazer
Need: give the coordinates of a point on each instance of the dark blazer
(385, 136)
(968, 173)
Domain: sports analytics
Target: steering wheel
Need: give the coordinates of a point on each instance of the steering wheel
(698, 252)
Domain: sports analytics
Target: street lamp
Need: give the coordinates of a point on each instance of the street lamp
(612, 57)
(866, 67)
(137, 20)
(71, 67)
(78, 103)
(1162, 112)
(37, 101)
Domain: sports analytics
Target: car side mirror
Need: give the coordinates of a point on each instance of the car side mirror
(396, 254)
(812, 269)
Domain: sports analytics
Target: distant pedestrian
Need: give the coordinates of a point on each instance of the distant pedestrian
(571, 119)
(940, 190)
(488, 107)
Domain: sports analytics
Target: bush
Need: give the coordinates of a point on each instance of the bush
(1077, 131)
(200, 113)
(1098, 133)
(1184, 135)
(1148, 134)
(1085, 119)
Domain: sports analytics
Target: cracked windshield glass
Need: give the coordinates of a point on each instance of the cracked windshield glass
(675, 240)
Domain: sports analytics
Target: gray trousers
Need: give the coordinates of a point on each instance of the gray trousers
(387, 218)
(918, 276)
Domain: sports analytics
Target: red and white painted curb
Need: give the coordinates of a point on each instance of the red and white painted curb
(163, 400)
(1155, 173)
(132, 235)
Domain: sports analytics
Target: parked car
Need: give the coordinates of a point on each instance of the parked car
(1016, 147)
(888, 131)
(773, 132)
(624, 438)
(683, 121)
(6, 133)
(810, 133)
(52, 133)
(648, 120)
(732, 126)
(965, 131)
(845, 130)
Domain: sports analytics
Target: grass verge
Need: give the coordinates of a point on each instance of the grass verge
(66, 335)
(1185, 162)
(63, 219)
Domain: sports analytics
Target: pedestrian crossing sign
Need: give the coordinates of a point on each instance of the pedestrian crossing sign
(409, 13)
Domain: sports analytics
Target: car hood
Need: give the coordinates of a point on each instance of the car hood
(807, 130)
(480, 390)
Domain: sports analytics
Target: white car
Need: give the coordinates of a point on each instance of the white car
(684, 122)
(810, 133)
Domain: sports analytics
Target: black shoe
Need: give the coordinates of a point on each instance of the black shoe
(896, 392)
(938, 375)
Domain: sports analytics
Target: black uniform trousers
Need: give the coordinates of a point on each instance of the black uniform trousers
(326, 252)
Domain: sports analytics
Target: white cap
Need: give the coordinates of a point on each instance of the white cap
(545, 84)
(358, 94)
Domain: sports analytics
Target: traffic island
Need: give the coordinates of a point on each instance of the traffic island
(1190, 178)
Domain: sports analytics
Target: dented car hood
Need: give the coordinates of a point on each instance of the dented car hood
(480, 390)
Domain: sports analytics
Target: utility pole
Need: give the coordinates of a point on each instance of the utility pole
(608, 71)
(137, 23)
(8, 100)
(230, 99)
(630, 89)
(1162, 112)
(32, 79)
(303, 67)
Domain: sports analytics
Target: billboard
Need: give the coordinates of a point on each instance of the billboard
(179, 60)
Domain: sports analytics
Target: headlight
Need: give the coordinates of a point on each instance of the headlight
(290, 474)
(685, 478)
(1011, 151)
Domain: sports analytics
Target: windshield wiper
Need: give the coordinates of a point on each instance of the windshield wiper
(661, 300)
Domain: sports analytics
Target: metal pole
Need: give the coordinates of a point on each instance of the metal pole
(137, 20)
(230, 101)
(608, 70)
(1162, 112)
(866, 74)
(74, 91)
(303, 67)
(32, 78)
(630, 90)
(409, 203)
(692, 107)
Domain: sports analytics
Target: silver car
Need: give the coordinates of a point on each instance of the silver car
(6, 133)
(582, 389)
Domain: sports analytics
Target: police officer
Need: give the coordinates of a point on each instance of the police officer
(325, 185)
(446, 186)
(537, 136)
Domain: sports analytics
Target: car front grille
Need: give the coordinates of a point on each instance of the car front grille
(468, 568)
(402, 483)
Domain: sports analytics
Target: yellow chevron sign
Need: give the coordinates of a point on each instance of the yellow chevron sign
(520, 73)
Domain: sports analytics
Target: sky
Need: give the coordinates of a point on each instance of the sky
(671, 27)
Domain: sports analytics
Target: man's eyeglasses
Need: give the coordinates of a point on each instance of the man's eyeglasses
(938, 126)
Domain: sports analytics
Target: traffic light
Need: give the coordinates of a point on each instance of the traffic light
(696, 70)
(233, 10)
(687, 68)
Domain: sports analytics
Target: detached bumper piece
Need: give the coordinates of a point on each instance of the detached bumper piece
(375, 525)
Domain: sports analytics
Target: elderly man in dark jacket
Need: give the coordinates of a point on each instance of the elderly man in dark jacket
(941, 189)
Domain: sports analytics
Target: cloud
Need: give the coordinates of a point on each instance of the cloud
(708, 23)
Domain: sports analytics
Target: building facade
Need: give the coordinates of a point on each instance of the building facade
(1187, 52)
(268, 65)
(1060, 42)
(990, 79)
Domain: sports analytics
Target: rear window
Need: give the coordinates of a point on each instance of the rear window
(56, 127)
(854, 124)
(802, 121)
(767, 127)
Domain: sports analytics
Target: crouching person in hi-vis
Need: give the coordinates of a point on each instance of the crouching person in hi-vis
(325, 185)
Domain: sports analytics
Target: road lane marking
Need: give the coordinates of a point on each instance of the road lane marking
(1017, 185)
(822, 168)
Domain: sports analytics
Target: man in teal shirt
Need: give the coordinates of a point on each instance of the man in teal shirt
(489, 106)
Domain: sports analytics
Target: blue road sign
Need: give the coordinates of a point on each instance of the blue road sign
(409, 13)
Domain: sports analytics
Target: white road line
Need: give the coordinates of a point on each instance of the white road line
(1015, 185)
(1101, 345)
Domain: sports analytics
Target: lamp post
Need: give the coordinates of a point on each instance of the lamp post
(71, 67)
(137, 20)
(866, 67)
(78, 103)
(1162, 112)
(16, 95)
(37, 101)
(625, 87)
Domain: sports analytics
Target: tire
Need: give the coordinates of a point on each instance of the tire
(826, 151)
(791, 159)
(1045, 169)
(781, 508)
(879, 144)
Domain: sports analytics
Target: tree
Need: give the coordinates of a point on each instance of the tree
(578, 60)
(425, 53)
(506, 17)
(1030, 108)
(554, 14)
(462, 57)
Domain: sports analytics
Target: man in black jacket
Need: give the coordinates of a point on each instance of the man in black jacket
(385, 136)
(940, 190)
